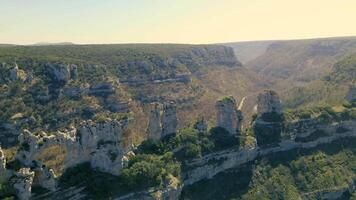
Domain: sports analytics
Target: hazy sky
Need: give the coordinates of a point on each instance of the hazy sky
(173, 21)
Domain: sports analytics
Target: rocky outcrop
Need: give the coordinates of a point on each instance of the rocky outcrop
(22, 183)
(2, 166)
(61, 72)
(73, 92)
(17, 74)
(212, 164)
(268, 102)
(102, 89)
(227, 115)
(45, 178)
(169, 119)
(351, 95)
(269, 123)
(201, 125)
(101, 144)
(154, 129)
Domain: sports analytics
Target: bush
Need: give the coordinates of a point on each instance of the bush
(222, 138)
(150, 170)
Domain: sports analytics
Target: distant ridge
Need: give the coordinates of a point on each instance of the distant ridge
(52, 43)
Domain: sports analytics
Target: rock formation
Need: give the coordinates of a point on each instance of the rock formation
(17, 74)
(102, 144)
(2, 165)
(45, 178)
(73, 92)
(169, 119)
(73, 71)
(22, 183)
(154, 129)
(59, 72)
(201, 125)
(351, 95)
(228, 115)
(268, 102)
(269, 123)
(102, 89)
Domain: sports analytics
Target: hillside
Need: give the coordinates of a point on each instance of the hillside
(329, 89)
(58, 86)
(301, 61)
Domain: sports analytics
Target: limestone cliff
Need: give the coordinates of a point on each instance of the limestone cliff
(101, 144)
(228, 115)
(169, 119)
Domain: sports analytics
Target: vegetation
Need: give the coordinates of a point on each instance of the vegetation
(188, 143)
(299, 174)
(143, 171)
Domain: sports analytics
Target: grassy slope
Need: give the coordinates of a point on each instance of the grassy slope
(301, 61)
(329, 89)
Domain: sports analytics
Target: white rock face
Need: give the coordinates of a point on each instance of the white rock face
(101, 144)
(268, 102)
(154, 129)
(22, 183)
(169, 119)
(227, 115)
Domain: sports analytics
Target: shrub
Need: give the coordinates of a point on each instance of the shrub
(222, 138)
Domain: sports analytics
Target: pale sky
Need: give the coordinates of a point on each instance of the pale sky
(173, 21)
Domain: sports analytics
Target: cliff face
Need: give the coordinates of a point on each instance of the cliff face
(269, 122)
(162, 124)
(227, 115)
(102, 144)
(211, 164)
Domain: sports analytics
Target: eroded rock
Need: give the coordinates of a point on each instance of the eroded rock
(22, 183)
(351, 95)
(101, 144)
(268, 102)
(201, 125)
(169, 119)
(102, 89)
(227, 115)
(154, 129)
(59, 72)
(45, 178)
(2, 166)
